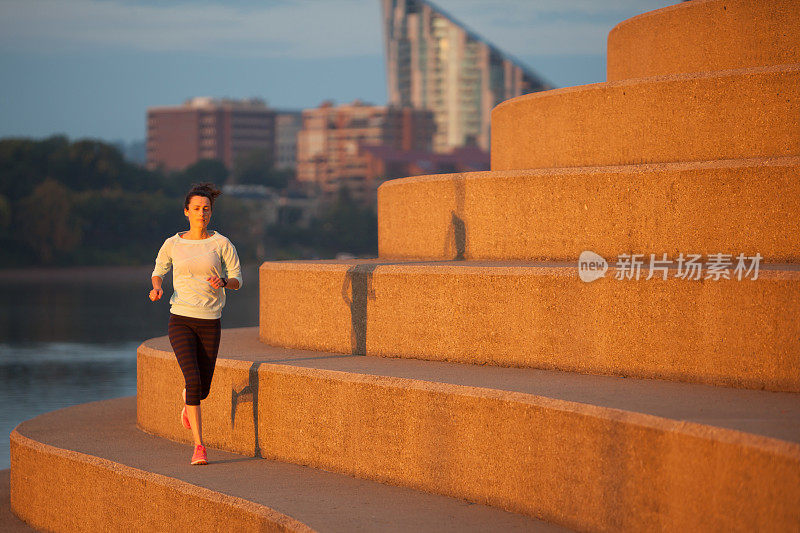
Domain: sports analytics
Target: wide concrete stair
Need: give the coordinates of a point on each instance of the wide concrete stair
(691, 151)
(305, 440)
(745, 205)
(468, 374)
(704, 36)
(588, 452)
(11, 522)
(742, 333)
(89, 468)
(732, 114)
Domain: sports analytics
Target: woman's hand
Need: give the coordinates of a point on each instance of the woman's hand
(215, 282)
(156, 294)
(233, 283)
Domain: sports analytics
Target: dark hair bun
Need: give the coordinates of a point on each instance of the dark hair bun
(207, 189)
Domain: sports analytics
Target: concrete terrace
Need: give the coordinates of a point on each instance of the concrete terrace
(467, 379)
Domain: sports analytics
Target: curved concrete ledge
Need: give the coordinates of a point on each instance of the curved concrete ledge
(734, 114)
(10, 522)
(727, 332)
(103, 474)
(705, 35)
(748, 206)
(63, 490)
(588, 452)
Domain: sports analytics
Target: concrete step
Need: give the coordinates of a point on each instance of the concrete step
(733, 114)
(88, 468)
(744, 206)
(589, 452)
(9, 522)
(705, 35)
(740, 333)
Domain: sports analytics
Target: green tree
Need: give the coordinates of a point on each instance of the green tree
(212, 170)
(238, 220)
(23, 166)
(5, 213)
(255, 167)
(86, 164)
(116, 218)
(82, 203)
(83, 165)
(346, 226)
(47, 222)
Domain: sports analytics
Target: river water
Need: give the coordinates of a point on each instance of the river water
(70, 336)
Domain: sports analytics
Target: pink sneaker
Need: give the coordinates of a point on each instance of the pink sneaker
(199, 457)
(185, 419)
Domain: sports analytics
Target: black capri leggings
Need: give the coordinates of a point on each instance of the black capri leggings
(195, 342)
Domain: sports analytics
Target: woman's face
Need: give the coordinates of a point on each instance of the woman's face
(199, 211)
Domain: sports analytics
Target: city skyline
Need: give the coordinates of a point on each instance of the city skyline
(91, 68)
(434, 62)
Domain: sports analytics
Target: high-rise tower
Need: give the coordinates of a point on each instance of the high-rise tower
(434, 62)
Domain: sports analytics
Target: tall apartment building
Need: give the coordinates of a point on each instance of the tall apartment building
(329, 147)
(287, 125)
(434, 62)
(208, 128)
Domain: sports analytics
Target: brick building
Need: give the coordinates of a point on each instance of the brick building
(385, 163)
(330, 145)
(208, 128)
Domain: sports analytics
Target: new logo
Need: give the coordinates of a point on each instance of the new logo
(591, 266)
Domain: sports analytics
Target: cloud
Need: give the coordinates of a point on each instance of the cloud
(547, 27)
(528, 10)
(301, 29)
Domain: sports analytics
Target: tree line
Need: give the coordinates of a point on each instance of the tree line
(77, 203)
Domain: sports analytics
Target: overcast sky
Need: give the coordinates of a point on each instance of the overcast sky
(90, 68)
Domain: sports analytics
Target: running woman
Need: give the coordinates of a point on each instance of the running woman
(204, 263)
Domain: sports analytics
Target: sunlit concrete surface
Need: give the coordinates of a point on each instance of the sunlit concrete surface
(732, 114)
(705, 35)
(589, 452)
(733, 332)
(735, 206)
(88, 468)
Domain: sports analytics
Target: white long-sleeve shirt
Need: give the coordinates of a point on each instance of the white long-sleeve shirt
(192, 262)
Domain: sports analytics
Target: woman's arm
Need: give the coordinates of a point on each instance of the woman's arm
(156, 293)
(230, 260)
(163, 262)
(216, 282)
(163, 265)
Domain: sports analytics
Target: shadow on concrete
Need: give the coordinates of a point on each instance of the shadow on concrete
(303, 358)
(455, 241)
(223, 461)
(248, 394)
(356, 291)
